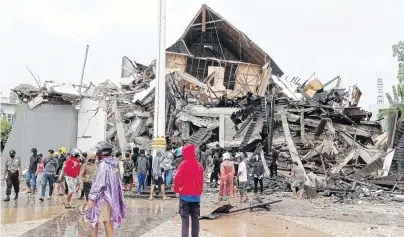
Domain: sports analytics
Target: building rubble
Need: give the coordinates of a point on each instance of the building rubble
(230, 92)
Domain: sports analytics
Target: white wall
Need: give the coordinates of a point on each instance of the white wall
(91, 127)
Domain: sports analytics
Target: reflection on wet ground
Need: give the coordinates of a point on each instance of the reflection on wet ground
(142, 217)
(252, 224)
(27, 208)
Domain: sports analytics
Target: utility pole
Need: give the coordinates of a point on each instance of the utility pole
(84, 67)
(159, 140)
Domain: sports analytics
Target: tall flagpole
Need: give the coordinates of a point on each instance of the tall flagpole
(159, 141)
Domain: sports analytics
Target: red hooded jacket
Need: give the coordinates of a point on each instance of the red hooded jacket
(189, 178)
(70, 169)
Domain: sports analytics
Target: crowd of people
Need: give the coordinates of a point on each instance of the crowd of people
(102, 178)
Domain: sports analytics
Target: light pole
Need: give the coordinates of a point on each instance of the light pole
(159, 140)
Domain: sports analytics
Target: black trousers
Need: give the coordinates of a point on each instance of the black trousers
(187, 209)
(149, 178)
(273, 168)
(214, 176)
(256, 180)
(13, 181)
(86, 189)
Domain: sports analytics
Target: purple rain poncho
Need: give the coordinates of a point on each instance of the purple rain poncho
(107, 187)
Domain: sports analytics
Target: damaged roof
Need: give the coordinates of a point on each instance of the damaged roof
(220, 40)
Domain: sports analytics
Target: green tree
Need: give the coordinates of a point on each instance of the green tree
(397, 100)
(5, 128)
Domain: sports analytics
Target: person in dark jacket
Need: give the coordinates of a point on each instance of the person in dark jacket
(127, 178)
(60, 182)
(135, 155)
(188, 183)
(30, 177)
(217, 161)
(51, 165)
(273, 167)
(149, 165)
(258, 174)
(203, 156)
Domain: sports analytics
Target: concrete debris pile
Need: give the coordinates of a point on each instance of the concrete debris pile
(327, 136)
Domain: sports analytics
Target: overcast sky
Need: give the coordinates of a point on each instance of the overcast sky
(350, 38)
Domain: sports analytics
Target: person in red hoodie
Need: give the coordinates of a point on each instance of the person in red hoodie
(71, 169)
(188, 183)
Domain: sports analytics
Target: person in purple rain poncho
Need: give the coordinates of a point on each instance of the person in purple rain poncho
(105, 204)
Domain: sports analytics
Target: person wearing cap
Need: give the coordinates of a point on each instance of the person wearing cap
(71, 170)
(51, 165)
(105, 201)
(60, 187)
(12, 174)
(226, 177)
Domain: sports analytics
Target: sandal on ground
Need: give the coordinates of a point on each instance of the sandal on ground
(67, 206)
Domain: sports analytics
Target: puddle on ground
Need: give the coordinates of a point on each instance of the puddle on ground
(21, 214)
(29, 208)
(252, 224)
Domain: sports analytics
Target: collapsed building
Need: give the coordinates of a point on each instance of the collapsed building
(221, 88)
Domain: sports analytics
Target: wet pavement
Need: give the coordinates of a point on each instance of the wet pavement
(141, 216)
(252, 224)
(30, 217)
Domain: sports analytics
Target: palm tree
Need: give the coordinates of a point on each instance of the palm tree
(397, 100)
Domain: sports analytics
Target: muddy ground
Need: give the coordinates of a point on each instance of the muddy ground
(352, 218)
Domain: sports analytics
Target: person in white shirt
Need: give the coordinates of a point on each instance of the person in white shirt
(242, 178)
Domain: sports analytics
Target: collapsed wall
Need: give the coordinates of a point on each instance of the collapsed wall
(48, 126)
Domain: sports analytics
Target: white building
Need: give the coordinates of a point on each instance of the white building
(8, 109)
